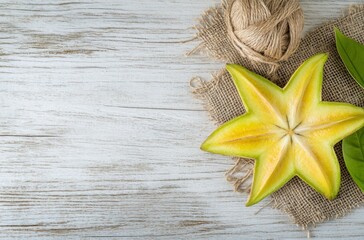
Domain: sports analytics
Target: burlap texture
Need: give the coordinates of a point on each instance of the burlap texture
(297, 199)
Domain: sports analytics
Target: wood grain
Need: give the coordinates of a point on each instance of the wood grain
(100, 135)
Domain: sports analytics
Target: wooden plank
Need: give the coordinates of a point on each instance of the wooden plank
(100, 133)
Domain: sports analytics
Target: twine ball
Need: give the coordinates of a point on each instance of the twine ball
(266, 31)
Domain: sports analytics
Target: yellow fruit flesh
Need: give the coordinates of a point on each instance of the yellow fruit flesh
(289, 132)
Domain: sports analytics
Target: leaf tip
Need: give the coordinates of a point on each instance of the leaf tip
(336, 29)
(338, 33)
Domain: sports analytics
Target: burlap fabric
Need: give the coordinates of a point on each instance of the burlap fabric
(298, 200)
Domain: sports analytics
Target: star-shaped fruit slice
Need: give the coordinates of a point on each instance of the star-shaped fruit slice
(289, 132)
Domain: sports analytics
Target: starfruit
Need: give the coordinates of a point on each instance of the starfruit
(288, 132)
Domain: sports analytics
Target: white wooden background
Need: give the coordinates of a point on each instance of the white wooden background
(100, 134)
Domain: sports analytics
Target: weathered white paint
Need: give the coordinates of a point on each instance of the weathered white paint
(100, 135)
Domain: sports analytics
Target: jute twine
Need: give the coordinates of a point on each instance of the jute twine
(265, 31)
(220, 98)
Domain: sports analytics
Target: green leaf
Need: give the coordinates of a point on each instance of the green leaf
(352, 54)
(353, 150)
